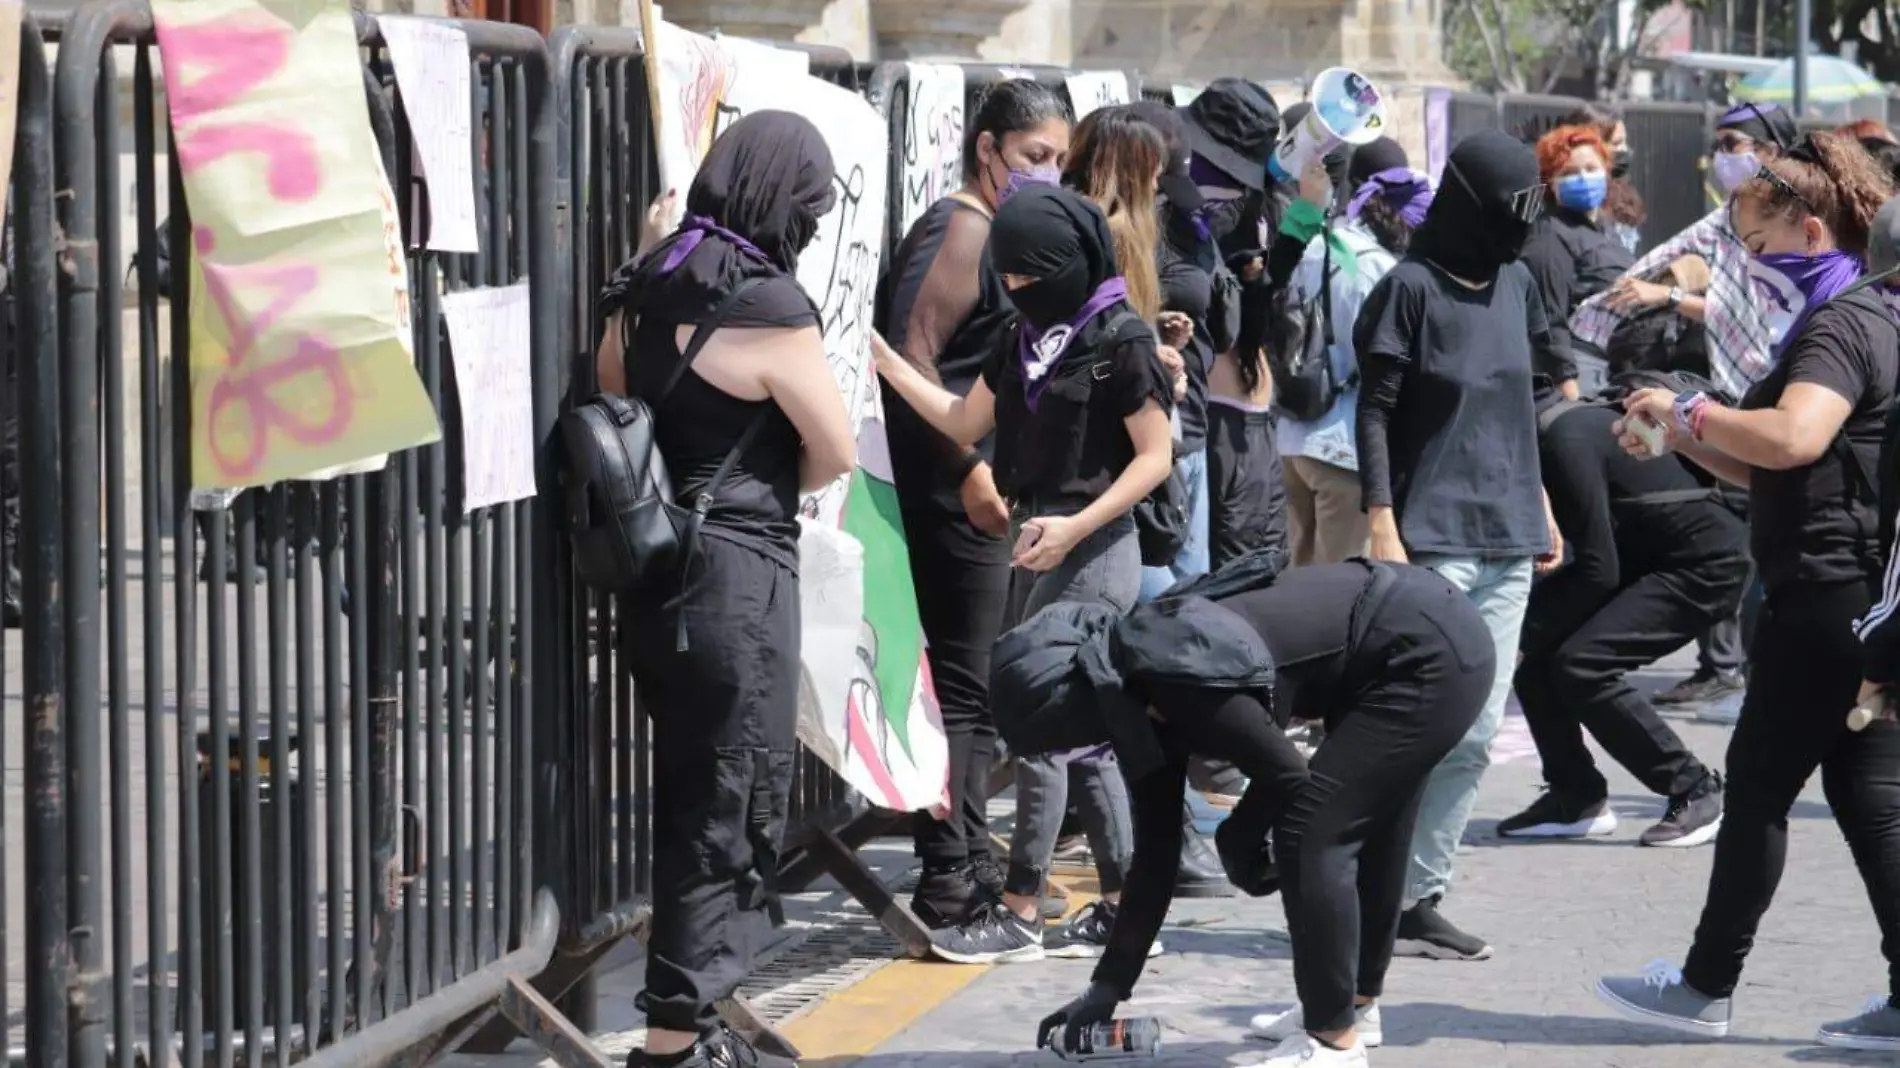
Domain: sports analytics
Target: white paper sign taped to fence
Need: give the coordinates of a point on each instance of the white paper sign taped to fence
(933, 139)
(488, 340)
(431, 61)
(1092, 89)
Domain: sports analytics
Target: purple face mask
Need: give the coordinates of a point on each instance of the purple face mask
(1792, 284)
(1047, 174)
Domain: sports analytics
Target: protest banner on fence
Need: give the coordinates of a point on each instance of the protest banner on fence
(301, 359)
(933, 139)
(866, 705)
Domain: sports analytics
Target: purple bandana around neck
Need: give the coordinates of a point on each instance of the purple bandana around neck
(1405, 189)
(693, 231)
(1796, 284)
(1041, 350)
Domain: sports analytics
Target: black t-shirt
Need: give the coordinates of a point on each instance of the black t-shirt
(1059, 458)
(1571, 259)
(1188, 289)
(1819, 523)
(1447, 425)
(931, 269)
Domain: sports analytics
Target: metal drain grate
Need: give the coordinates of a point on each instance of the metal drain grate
(804, 971)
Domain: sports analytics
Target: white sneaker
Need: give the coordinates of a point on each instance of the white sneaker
(1305, 1051)
(1280, 1026)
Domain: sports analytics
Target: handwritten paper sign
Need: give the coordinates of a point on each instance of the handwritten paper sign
(488, 340)
(1091, 89)
(300, 352)
(431, 61)
(933, 139)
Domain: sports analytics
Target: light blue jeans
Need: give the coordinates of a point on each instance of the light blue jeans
(1499, 589)
(1193, 559)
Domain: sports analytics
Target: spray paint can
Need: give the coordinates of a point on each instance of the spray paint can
(1116, 1040)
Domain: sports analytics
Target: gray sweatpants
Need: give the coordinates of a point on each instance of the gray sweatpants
(1105, 568)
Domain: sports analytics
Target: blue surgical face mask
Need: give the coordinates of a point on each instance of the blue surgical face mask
(1583, 192)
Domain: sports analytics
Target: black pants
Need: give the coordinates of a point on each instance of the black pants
(1570, 682)
(1804, 674)
(724, 715)
(1246, 488)
(962, 580)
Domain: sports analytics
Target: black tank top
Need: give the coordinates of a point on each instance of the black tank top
(914, 460)
(697, 425)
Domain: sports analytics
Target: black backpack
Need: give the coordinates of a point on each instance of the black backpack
(1300, 346)
(622, 517)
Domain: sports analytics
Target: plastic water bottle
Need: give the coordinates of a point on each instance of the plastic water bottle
(1116, 1040)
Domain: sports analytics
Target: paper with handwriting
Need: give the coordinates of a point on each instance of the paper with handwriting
(431, 61)
(1092, 89)
(488, 340)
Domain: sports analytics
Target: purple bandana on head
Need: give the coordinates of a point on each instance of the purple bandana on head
(1793, 284)
(1405, 189)
(693, 231)
(1041, 350)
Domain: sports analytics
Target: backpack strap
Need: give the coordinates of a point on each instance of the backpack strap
(1549, 416)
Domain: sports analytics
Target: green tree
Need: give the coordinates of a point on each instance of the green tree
(1528, 46)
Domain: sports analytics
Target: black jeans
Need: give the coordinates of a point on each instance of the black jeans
(1804, 674)
(1246, 488)
(724, 715)
(1578, 681)
(962, 580)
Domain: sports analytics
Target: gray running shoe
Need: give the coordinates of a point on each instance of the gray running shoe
(1660, 997)
(1876, 1028)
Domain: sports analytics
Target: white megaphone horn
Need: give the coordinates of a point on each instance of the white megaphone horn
(1347, 108)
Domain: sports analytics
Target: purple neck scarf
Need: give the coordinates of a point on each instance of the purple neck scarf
(1403, 188)
(1793, 284)
(693, 231)
(1041, 350)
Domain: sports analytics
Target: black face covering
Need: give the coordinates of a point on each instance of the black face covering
(765, 183)
(1061, 240)
(1620, 163)
(1488, 199)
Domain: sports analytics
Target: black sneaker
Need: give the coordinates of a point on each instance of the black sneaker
(1690, 820)
(1561, 815)
(1086, 936)
(945, 897)
(1701, 686)
(723, 1048)
(988, 873)
(994, 936)
(1425, 933)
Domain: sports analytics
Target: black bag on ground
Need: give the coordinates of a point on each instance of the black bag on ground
(1300, 346)
(623, 518)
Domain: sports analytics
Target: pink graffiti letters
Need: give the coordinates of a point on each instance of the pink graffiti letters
(236, 54)
(244, 389)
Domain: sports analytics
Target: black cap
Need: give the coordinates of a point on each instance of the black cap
(1383, 154)
(1234, 125)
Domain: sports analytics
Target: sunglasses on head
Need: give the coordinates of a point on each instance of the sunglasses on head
(1527, 205)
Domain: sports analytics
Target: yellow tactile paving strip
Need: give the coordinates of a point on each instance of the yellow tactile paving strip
(853, 1023)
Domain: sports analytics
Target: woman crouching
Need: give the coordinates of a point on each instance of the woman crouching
(1392, 658)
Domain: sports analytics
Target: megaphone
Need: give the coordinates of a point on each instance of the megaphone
(1347, 109)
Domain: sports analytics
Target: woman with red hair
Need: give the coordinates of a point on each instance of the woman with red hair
(1572, 253)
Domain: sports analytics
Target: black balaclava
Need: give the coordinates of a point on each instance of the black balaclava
(1487, 200)
(1383, 154)
(1058, 238)
(766, 181)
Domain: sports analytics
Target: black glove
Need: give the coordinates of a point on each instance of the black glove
(1095, 1006)
(1246, 855)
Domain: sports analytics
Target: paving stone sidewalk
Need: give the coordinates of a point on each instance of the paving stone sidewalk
(1560, 914)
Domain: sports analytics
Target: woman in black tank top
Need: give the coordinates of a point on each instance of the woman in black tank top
(944, 308)
(724, 701)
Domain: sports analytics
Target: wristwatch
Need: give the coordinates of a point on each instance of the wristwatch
(1675, 297)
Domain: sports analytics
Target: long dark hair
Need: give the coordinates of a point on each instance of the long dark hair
(1386, 225)
(1009, 106)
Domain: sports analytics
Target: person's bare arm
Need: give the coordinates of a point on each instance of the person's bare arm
(1727, 468)
(1153, 439)
(610, 371)
(964, 419)
(793, 369)
(949, 291)
(1794, 433)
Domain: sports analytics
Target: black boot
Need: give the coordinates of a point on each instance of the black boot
(1201, 874)
(943, 896)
